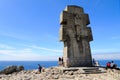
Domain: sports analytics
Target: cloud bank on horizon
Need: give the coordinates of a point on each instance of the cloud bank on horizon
(29, 30)
(37, 53)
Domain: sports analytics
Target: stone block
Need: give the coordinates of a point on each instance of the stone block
(76, 37)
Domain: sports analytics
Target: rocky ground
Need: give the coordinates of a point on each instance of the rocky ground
(56, 74)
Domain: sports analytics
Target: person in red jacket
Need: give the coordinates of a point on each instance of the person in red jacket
(108, 65)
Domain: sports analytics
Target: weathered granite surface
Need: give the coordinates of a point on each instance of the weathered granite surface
(76, 37)
(54, 73)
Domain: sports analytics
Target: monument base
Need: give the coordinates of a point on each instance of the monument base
(78, 62)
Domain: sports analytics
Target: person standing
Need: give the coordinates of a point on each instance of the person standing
(59, 61)
(62, 61)
(112, 63)
(39, 68)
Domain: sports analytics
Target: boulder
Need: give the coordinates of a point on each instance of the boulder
(20, 68)
(11, 69)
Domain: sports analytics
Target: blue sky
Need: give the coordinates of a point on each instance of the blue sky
(29, 29)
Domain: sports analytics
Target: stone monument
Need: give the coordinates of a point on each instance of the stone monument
(76, 37)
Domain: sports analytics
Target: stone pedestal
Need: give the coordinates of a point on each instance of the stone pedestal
(76, 37)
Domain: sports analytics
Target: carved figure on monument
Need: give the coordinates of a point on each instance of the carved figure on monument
(76, 37)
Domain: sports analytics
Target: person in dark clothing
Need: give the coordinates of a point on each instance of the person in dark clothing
(62, 61)
(59, 61)
(113, 65)
(39, 68)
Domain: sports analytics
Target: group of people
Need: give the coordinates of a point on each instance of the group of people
(95, 63)
(111, 65)
(60, 61)
(65, 62)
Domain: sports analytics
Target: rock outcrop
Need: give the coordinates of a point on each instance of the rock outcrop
(11, 69)
(55, 73)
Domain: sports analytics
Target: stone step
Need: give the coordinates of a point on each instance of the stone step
(70, 69)
(93, 70)
(84, 70)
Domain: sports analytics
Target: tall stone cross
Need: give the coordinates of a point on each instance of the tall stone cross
(76, 37)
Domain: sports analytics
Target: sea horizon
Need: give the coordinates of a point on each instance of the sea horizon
(31, 65)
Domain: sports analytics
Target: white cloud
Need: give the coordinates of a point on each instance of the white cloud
(15, 52)
(6, 52)
(107, 56)
(31, 55)
(4, 46)
(47, 49)
(104, 50)
(25, 54)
